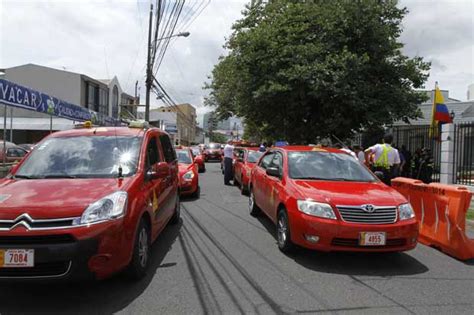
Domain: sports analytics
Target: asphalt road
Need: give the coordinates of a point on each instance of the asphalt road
(220, 260)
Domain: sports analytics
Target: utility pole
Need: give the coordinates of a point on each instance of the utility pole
(149, 66)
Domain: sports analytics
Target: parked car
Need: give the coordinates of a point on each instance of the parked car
(14, 153)
(188, 173)
(199, 159)
(27, 146)
(246, 158)
(88, 203)
(213, 152)
(324, 199)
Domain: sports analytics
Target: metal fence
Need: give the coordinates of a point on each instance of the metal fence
(464, 153)
(415, 139)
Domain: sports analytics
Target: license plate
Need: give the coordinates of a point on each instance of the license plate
(372, 239)
(17, 258)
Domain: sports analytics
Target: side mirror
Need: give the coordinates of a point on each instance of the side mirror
(162, 171)
(273, 171)
(379, 175)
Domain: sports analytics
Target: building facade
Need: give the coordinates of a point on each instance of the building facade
(185, 122)
(103, 96)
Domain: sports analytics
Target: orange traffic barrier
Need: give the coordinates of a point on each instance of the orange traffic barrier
(441, 211)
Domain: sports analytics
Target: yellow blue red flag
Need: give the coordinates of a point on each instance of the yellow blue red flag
(440, 113)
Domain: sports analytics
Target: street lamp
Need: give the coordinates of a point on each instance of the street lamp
(181, 34)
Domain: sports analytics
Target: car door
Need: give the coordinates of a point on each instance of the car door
(171, 181)
(274, 186)
(260, 180)
(155, 188)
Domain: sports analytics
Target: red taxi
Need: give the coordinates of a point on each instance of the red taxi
(324, 199)
(213, 152)
(87, 203)
(246, 158)
(188, 173)
(199, 159)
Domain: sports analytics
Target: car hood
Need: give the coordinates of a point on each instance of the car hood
(349, 193)
(53, 198)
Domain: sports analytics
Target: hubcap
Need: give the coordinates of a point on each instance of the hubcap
(282, 231)
(251, 201)
(143, 247)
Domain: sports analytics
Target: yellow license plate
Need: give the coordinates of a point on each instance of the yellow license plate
(17, 258)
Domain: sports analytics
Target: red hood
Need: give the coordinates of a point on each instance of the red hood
(183, 168)
(53, 198)
(349, 193)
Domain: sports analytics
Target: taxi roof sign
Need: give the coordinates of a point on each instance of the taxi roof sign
(139, 124)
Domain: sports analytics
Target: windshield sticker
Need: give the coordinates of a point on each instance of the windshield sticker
(4, 197)
(318, 149)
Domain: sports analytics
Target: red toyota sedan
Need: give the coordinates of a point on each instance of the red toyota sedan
(188, 173)
(87, 203)
(245, 161)
(324, 199)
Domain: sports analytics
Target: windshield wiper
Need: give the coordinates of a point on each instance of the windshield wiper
(58, 176)
(23, 176)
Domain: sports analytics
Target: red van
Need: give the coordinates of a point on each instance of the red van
(88, 203)
(326, 200)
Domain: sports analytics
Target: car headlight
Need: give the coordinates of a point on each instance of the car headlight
(110, 207)
(317, 209)
(406, 212)
(188, 175)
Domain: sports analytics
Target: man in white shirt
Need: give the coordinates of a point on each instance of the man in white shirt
(386, 158)
(228, 158)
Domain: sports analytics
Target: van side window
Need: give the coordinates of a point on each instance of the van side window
(168, 150)
(266, 160)
(152, 156)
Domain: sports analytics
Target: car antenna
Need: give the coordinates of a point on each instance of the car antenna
(340, 142)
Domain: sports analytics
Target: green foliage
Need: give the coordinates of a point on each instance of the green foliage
(297, 70)
(217, 137)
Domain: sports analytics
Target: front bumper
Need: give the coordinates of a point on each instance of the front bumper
(81, 253)
(336, 235)
(188, 187)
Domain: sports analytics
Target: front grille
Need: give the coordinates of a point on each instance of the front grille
(37, 240)
(381, 215)
(353, 242)
(50, 269)
(36, 224)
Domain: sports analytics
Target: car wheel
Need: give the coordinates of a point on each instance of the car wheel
(177, 211)
(283, 232)
(254, 210)
(141, 252)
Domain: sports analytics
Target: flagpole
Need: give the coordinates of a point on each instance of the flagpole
(433, 111)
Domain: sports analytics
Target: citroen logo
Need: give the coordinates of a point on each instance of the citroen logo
(23, 220)
(368, 208)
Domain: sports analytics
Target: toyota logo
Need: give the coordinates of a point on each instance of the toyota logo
(368, 208)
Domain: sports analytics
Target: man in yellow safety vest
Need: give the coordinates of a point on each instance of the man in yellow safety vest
(386, 158)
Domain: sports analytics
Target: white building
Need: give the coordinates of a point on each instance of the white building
(103, 96)
(470, 92)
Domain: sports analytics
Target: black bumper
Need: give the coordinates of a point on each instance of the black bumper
(57, 257)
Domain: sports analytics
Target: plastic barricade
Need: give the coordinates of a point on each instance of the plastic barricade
(441, 212)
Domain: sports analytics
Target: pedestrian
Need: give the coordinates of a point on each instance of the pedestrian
(405, 169)
(425, 171)
(359, 151)
(228, 159)
(262, 147)
(386, 158)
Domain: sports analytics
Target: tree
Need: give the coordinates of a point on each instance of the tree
(297, 70)
(217, 137)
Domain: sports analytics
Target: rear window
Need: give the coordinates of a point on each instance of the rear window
(214, 146)
(184, 156)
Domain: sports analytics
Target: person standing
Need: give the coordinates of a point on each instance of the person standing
(228, 159)
(360, 153)
(386, 158)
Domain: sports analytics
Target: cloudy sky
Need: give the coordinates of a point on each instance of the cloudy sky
(105, 38)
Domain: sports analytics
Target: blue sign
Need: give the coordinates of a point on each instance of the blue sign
(281, 143)
(171, 128)
(22, 97)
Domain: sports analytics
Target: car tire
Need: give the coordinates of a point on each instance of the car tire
(177, 211)
(254, 210)
(283, 232)
(197, 193)
(141, 252)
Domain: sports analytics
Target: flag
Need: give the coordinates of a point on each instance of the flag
(440, 113)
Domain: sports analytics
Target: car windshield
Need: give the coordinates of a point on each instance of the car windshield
(327, 166)
(88, 157)
(214, 146)
(183, 156)
(254, 156)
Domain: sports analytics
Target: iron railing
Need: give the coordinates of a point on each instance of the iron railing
(464, 153)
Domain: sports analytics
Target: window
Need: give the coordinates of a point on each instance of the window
(266, 160)
(277, 161)
(104, 101)
(92, 98)
(168, 150)
(152, 156)
(16, 152)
